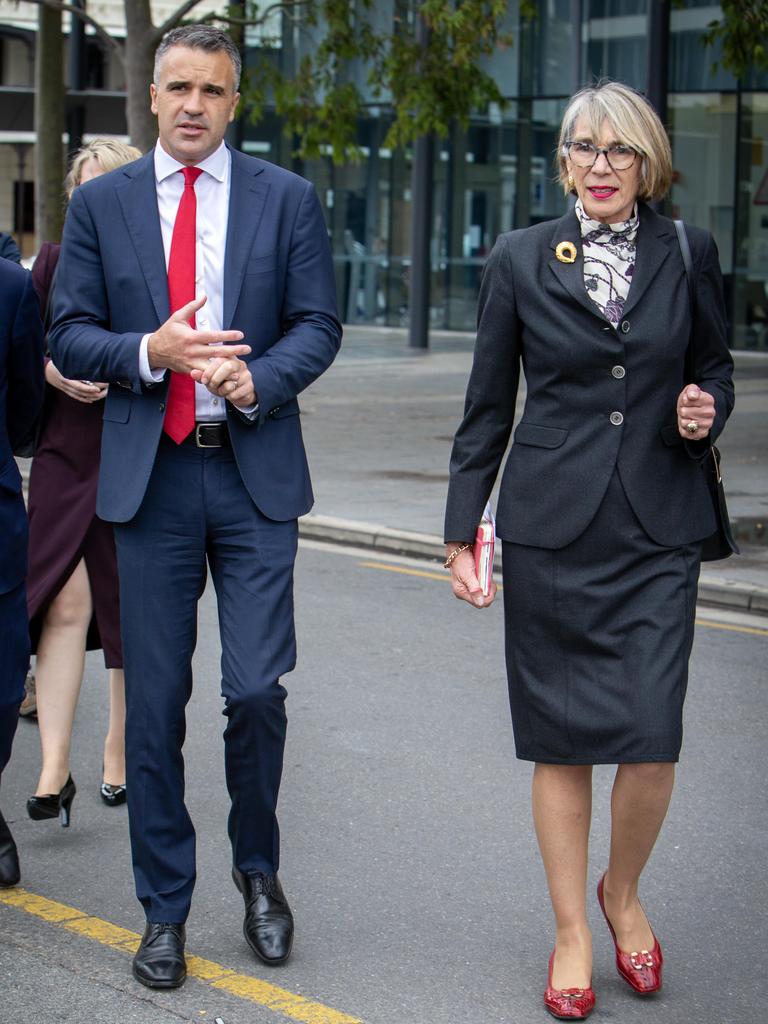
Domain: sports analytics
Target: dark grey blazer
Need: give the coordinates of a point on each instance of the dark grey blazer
(598, 398)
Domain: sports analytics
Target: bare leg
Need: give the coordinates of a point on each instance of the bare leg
(639, 802)
(59, 675)
(562, 811)
(114, 744)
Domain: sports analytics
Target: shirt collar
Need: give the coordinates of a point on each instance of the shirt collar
(215, 164)
(597, 229)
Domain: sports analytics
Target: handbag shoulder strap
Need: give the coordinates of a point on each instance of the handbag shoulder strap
(685, 252)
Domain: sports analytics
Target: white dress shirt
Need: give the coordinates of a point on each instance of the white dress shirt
(212, 192)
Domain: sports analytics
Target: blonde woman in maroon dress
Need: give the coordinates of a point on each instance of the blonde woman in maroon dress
(72, 586)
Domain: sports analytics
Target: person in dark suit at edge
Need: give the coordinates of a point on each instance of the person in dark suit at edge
(21, 396)
(199, 282)
(8, 248)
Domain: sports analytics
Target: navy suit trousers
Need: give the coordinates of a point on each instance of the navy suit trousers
(196, 509)
(14, 657)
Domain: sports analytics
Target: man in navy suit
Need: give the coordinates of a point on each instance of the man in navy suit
(21, 395)
(197, 231)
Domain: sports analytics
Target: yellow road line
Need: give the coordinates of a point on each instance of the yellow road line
(279, 1000)
(752, 630)
(444, 578)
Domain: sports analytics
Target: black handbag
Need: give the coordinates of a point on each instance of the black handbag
(721, 543)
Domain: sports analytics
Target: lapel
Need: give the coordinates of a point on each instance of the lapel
(137, 196)
(571, 275)
(653, 248)
(247, 199)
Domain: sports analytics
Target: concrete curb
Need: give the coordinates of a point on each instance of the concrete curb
(713, 591)
(384, 539)
(725, 593)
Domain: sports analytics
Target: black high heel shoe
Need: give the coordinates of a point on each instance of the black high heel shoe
(112, 796)
(53, 805)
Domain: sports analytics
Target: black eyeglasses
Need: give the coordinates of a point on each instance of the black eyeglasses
(584, 154)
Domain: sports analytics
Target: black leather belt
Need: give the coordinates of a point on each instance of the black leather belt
(209, 435)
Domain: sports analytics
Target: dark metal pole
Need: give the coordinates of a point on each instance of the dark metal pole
(577, 58)
(76, 77)
(735, 281)
(421, 205)
(421, 227)
(21, 161)
(657, 68)
(526, 89)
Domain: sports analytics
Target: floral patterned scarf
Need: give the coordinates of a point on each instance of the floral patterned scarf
(609, 261)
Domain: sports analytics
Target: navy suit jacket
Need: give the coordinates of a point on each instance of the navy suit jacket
(279, 290)
(534, 311)
(21, 396)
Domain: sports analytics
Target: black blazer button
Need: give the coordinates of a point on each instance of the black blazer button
(625, 326)
(618, 372)
(617, 418)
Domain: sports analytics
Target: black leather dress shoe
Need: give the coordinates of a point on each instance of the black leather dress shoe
(9, 856)
(268, 925)
(159, 960)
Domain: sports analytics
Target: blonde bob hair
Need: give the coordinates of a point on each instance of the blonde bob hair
(109, 154)
(634, 122)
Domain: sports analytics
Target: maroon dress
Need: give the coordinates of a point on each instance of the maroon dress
(63, 526)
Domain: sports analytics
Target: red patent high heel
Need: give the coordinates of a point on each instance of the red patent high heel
(567, 1003)
(641, 969)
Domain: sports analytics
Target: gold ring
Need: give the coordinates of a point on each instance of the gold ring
(566, 252)
(692, 427)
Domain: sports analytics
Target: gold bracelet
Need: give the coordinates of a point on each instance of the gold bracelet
(453, 554)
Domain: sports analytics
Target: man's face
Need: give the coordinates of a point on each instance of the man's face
(194, 101)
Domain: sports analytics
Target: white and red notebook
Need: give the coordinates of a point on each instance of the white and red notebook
(485, 542)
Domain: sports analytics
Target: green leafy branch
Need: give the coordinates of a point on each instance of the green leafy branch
(743, 34)
(427, 84)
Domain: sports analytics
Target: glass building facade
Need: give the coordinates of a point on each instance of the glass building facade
(498, 173)
(495, 175)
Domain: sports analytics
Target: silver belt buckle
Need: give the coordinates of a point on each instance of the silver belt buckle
(198, 442)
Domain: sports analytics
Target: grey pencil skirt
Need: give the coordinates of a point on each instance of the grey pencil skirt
(598, 637)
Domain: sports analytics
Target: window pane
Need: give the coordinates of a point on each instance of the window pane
(751, 298)
(691, 64)
(703, 136)
(616, 40)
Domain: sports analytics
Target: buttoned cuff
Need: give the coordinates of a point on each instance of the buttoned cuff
(147, 374)
(250, 412)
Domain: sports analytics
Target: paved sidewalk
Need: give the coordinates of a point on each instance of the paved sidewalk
(379, 425)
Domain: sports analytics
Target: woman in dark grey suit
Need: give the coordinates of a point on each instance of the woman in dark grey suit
(602, 507)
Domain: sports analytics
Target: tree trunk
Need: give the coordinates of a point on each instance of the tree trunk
(49, 126)
(140, 44)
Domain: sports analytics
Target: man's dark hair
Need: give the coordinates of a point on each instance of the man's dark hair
(199, 37)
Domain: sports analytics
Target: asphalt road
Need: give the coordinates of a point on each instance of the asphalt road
(408, 853)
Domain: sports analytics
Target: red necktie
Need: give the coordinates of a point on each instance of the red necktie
(180, 404)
